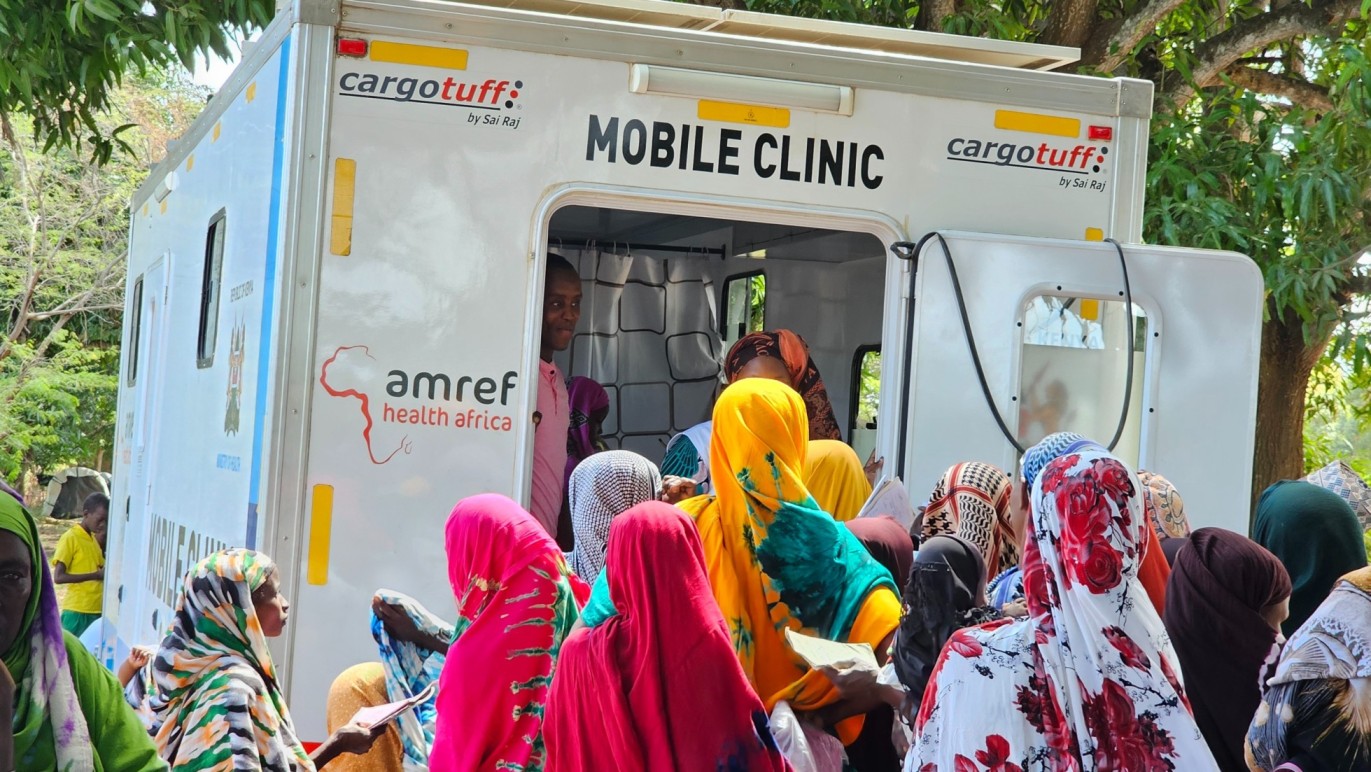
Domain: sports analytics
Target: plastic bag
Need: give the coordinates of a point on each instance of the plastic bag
(806, 747)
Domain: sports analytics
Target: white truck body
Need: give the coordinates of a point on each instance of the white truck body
(335, 278)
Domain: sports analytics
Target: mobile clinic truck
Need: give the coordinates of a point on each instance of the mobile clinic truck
(335, 278)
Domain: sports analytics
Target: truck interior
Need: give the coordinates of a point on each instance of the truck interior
(666, 296)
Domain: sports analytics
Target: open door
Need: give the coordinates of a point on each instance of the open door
(1170, 382)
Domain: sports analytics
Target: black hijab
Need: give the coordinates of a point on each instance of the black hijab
(1219, 586)
(946, 592)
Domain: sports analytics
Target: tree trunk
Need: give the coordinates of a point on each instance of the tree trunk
(1070, 22)
(1287, 360)
(932, 13)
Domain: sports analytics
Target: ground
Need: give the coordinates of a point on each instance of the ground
(49, 531)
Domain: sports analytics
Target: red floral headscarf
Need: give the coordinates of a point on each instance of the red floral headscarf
(1089, 680)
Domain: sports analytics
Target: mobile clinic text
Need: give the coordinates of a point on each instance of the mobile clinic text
(720, 150)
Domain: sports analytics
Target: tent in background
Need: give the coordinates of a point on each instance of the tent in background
(69, 489)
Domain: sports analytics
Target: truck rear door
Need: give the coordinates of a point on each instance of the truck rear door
(1054, 336)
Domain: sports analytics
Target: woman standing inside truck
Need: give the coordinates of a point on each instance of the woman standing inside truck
(778, 355)
(67, 710)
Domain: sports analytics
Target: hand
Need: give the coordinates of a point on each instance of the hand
(899, 735)
(397, 623)
(851, 684)
(678, 489)
(873, 468)
(355, 738)
(98, 574)
(1017, 609)
(140, 656)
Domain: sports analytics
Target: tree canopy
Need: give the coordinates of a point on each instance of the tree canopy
(62, 62)
(1261, 144)
(63, 237)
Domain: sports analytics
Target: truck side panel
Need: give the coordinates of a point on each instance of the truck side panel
(191, 425)
(426, 340)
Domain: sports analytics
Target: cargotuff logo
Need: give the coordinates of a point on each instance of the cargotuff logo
(490, 94)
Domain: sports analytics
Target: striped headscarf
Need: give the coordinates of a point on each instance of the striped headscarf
(1052, 447)
(219, 701)
(49, 726)
(603, 487)
(972, 502)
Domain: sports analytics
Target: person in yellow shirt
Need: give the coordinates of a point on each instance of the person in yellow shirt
(80, 562)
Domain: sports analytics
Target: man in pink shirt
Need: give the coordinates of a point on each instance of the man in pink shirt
(561, 313)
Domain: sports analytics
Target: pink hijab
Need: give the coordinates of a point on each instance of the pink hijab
(516, 601)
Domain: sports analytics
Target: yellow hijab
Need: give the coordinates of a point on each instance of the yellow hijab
(775, 559)
(836, 478)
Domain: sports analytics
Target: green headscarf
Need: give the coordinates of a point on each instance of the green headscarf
(50, 729)
(16, 520)
(1316, 535)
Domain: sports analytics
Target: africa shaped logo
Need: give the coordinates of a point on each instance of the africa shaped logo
(232, 411)
(344, 375)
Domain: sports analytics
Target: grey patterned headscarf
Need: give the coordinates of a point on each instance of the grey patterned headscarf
(603, 487)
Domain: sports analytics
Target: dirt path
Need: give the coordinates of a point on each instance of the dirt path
(49, 531)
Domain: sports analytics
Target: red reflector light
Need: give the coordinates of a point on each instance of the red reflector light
(352, 47)
(1103, 133)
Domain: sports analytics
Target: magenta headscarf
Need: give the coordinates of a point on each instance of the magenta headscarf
(516, 601)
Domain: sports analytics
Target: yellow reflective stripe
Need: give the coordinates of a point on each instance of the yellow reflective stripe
(320, 534)
(1037, 123)
(753, 115)
(344, 181)
(422, 56)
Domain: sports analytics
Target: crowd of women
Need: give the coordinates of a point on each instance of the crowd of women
(1062, 617)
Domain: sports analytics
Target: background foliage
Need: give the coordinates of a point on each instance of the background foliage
(63, 238)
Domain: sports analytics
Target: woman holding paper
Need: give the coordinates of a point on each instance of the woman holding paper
(631, 676)
(762, 530)
(220, 704)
